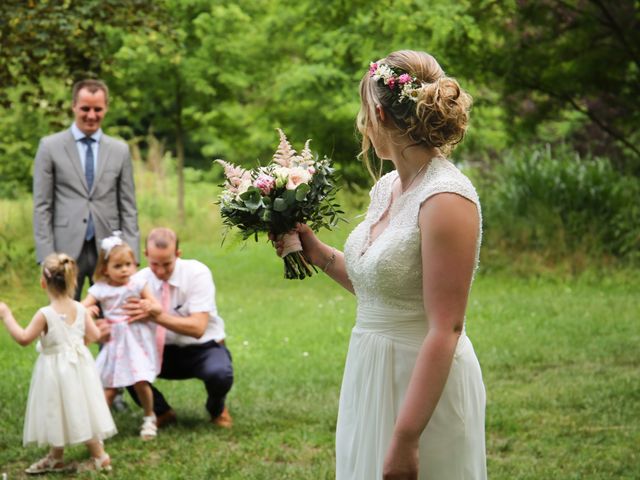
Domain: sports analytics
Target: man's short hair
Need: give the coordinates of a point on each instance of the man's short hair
(162, 237)
(92, 85)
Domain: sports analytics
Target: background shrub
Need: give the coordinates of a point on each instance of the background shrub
(552, 200)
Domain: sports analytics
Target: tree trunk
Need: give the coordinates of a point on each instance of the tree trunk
(180, 151)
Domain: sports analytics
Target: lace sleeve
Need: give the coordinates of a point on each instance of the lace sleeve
(446, 178)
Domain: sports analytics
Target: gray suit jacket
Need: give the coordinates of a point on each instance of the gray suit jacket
(62, 201)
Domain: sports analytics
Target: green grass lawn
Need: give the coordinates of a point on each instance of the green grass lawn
(559, 357)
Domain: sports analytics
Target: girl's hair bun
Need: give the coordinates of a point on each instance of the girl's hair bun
(60, 274)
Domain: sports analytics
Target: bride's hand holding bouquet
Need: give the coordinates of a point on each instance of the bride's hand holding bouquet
(312, 247)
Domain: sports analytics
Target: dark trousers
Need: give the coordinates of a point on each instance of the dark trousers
(209, 362)
(86, 264)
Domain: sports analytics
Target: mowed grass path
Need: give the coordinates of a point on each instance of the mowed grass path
(560, 361)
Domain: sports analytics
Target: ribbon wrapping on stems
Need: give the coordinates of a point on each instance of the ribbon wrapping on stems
(290, 243)
(296, 265)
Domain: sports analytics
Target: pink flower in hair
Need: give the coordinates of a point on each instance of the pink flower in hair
(404, 78)
(391, 83)
(372, 68)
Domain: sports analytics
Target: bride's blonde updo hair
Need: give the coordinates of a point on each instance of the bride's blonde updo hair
(438, 117)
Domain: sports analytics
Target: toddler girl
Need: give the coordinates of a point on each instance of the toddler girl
(130, 357)
(66, 405)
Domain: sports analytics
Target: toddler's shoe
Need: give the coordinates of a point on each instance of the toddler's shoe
(96, 464)
(48, 464)
(149, 429)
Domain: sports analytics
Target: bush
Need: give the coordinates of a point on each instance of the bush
(17, 251)
(22, 122)
(558, 202)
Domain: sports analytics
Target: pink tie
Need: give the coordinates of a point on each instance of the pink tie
(161, 331)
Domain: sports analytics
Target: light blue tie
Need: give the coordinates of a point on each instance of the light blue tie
(89, 175)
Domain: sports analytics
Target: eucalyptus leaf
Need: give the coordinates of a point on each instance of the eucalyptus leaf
(301, 191)
(279, 205)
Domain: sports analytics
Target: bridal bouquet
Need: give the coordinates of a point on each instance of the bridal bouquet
(293, 188)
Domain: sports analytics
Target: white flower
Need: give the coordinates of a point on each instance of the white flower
(297, 175)
(281, 175)
(227, 197)
(410, 92)
(245, 183)
(384, 72)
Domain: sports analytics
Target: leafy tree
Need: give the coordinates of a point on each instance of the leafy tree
(46, 45)
(551, 59)
(63, 39)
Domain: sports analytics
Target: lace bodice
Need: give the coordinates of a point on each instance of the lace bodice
(388, 271)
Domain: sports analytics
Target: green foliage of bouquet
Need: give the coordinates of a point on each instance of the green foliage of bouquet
(274, 198)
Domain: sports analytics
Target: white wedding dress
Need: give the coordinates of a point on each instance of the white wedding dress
(389, 331)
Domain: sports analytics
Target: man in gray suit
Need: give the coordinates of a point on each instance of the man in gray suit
(83, 186)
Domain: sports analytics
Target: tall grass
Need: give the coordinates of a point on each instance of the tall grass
(17, 251)
(560, 205)
(157, 205)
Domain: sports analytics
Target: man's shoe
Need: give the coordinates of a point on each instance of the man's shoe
(167, 418)
(224, 420)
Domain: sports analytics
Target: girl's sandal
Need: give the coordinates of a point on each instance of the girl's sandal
(96, 464)
(149, 429)
(48, 464)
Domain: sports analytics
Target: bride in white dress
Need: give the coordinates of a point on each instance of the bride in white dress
(412, 403)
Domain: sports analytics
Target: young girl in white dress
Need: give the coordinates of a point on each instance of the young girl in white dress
(412, 403)
(66, 404)
(130, 357)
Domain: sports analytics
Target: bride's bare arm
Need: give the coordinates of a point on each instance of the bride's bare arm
(332, 264)
(449, 225)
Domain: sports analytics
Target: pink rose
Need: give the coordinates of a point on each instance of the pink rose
(391, 83)
(404, 78)
(372, 69)
(265, 183)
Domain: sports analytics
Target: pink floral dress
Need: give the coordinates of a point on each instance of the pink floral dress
(131, 354)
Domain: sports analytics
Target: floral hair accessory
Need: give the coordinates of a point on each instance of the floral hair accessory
(108, 243)
(398, 82)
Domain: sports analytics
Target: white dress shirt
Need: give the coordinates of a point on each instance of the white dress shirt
(191, 291)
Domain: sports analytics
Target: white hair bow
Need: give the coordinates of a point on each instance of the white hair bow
(108, 243)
